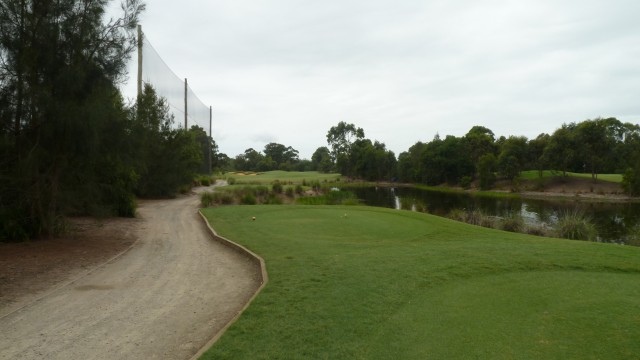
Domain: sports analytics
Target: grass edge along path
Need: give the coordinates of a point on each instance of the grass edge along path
(372, 283)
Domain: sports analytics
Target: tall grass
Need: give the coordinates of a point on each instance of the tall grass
(575, 225)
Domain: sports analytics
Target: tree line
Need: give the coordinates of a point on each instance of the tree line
(597, 146)
(69, 144)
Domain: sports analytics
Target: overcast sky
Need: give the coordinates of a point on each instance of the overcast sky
(287, 70)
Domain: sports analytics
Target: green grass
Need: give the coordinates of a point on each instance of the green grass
(533, 175)
(371, 283)
(617, 178)
(295, 177)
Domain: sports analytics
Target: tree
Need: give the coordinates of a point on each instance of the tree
(208, 147)
(535, 157)
(282, 157)
(167, 158)
(340, 138)
(487, 166)
(513, 156)
(480, 141)
(321, 159)
(410, 164)
(59, 63)
(595, 139)
(446, 161)
(560, 151)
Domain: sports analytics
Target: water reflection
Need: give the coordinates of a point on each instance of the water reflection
(615, 222)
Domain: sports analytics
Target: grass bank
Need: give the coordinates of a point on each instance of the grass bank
(373, 283)
(534, 175)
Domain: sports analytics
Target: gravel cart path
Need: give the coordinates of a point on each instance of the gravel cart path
(164, 298)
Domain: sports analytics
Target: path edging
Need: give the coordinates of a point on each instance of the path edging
(264, 278)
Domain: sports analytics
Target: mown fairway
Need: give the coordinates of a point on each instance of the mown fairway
(268, 177)
(373, 283)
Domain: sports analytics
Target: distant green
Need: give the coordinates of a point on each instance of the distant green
(295, 177)
(352, 282)
(534, 174)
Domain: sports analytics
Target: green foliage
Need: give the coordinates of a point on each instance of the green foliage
(206, 199)
(63, 129)
(330, 198)
(631, 181)
(248, 199)
(465, 182)
(276, 187)
(487, 166)
(321, 160)
(289, 191)
(576, 226)
(513, 223)
(167, 158)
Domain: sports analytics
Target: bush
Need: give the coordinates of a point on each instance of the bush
(206, 199)
(127, 206)
(276, 187)
(576, 226)
(205, 181)
(536, 231)
(465, 182)
(513, 223)
(273, 199)
(299, 190)
(248, 199)
(231, 181)
(473, 217)
(289, 192)
(331, 198)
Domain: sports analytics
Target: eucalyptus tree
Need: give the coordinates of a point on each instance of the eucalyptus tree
(340, 138)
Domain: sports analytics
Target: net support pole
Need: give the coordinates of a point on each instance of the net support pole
(139, 60)
(185, 103)
(210, 141)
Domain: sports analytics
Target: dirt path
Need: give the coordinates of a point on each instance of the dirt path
(162, 299)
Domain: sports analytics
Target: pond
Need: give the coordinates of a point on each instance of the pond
(614, 222)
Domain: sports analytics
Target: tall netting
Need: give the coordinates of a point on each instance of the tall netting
(168, 85)
(197, 112)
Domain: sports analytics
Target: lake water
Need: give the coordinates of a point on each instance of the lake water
(615, 222)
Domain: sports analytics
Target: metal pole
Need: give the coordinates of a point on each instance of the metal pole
(210, 140)
(185, 103)
(139, 60)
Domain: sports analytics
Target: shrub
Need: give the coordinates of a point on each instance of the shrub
(575, 225)
(205, 181)
(226, 198)
(513, 223)
(231, 180)
(536, 231)
(473, 217)
(261, 190)
(127, 206)
(276, 187)
(299, 190)
(465, 182)
(248, 199)
(206, 199)
(273, 199)
(289, 192)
